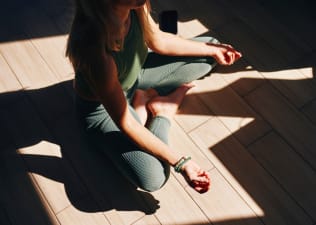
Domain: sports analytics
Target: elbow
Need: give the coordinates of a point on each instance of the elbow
(158, 45)
(159, 49)
(126, 122)
(123, 124)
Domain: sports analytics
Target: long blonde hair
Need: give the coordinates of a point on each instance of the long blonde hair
(109, 28)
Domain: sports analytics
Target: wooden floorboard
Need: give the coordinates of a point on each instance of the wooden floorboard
(251, 125)
(241, 77)
(230, 108)
(147, 220)
(182, 141)
(269, 63)
(299, 24)
(294, 127)
(266, 198)
(310, 111)
(52, 49)
(267, 27)
(223, 205)
(18, 192)
(71, 215)
(8, 80)
(298, 179)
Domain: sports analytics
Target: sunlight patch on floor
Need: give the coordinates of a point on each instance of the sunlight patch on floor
(71, 215)
(308, 72)
(238, 72)
(191, 121)
(37, 62)
(192, 28)
(290, 74)
(217, 142)
(235, 123)
(231, 124)
(43, 148)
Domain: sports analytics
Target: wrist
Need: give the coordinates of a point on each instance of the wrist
(211, 49)
(178, 167)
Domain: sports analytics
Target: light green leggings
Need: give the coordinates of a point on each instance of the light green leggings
(164, 74)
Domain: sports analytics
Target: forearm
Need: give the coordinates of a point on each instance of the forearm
(147, 141)
(169, 44)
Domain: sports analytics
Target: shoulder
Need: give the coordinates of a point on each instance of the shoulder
(89, 47)
(85, 43)
(84, 33)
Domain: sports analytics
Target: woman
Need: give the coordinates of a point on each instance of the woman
(126, 95)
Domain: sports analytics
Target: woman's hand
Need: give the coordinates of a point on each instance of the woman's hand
(197, 178)
(224, 54)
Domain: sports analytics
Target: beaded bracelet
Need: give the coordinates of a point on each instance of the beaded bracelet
(180, 163)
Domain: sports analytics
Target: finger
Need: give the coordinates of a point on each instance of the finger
(205, 174)
(234, 57)
(227, 58)
(230, 58)
(200, 181)
(202, 188)
(222, 60)
(239, 55)
(227, 46)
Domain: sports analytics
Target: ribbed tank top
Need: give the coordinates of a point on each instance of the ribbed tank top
(130, 60)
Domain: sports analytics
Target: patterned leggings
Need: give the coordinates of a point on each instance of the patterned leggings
(164, 74)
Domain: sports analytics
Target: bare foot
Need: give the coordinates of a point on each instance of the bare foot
(140, 100)
(167, 106)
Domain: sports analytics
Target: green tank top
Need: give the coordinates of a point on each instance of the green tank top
(129, 60)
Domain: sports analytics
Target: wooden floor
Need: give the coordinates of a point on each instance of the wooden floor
(251, 125)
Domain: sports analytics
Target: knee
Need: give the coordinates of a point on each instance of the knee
(154, 185)
(144, 170)
(154, 180)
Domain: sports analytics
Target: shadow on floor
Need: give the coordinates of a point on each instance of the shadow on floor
(45, 118)
(30, 117)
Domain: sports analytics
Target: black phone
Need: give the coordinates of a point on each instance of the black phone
(168, 21)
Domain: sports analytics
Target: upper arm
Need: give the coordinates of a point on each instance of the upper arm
(102, 77)
(154, 37)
